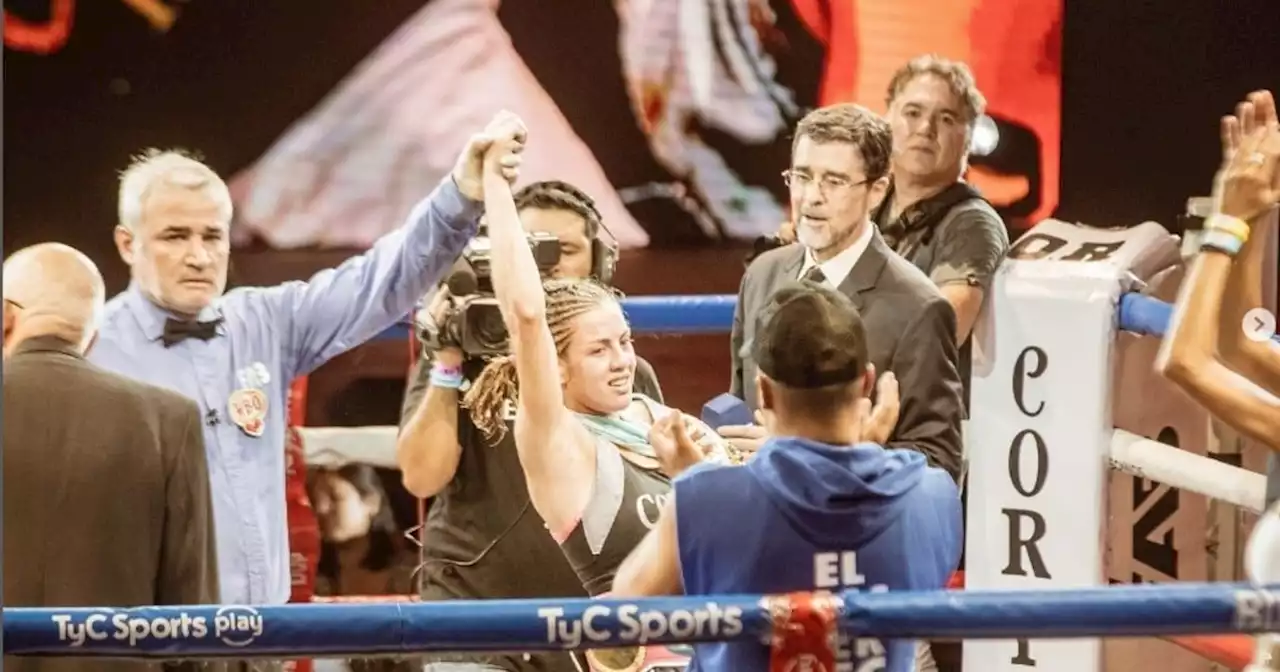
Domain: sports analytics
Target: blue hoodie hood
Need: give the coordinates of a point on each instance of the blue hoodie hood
(826, 492)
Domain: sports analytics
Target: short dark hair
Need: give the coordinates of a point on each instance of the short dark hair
(956, 74)
(558, 195)
(811, 342)
(856, 125)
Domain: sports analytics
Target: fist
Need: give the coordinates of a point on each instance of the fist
(505, 132)
(671, 440)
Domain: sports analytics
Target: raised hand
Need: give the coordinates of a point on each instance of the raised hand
(503, 160)
(468, 172)
(1248, 183)
(1258, 109)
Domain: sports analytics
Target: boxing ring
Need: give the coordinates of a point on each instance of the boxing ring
(403, 628)
(1068, 424)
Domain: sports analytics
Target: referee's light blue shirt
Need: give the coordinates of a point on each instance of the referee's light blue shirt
(268, 337)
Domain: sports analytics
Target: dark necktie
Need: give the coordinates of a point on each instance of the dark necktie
(176, 331)
(816, 276)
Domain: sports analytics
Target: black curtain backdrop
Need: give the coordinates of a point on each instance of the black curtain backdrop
(1144, 82)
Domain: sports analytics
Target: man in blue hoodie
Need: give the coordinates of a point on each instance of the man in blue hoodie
(818, 508)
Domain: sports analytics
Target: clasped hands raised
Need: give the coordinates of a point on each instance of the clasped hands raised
(498, 147)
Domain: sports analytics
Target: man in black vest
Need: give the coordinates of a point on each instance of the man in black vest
(930, 215)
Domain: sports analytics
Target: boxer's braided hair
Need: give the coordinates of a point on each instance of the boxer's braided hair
(496, 386)
(558, 195)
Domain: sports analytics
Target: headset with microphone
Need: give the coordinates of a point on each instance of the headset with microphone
(604, 252)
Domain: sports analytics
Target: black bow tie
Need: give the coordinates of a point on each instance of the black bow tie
(175, 331)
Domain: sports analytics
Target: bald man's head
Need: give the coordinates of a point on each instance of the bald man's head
(51, 290)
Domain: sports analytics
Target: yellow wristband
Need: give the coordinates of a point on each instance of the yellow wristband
(1227, 224)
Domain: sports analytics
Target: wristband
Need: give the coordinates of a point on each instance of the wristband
(448, 377)
(1219, 240)
(437, 367)
(1227, 224)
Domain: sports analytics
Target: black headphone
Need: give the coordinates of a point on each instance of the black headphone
(604, 253)
(604, 256)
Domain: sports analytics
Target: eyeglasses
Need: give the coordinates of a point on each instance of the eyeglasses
(829, 185)
(15, 304)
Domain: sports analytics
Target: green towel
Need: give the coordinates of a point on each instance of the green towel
(633, 436)
(622, 432)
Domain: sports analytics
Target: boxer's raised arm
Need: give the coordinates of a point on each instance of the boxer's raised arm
(551, 461)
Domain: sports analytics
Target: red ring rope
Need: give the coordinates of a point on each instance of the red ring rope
(304, 529)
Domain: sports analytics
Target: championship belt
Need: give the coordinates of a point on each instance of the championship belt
(717, 448)
(656, 658)
(673, 658)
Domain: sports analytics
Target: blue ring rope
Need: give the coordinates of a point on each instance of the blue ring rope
(1149, 317)
(713, 314)
(302, 630)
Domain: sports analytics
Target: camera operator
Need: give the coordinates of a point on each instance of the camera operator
(482, 537)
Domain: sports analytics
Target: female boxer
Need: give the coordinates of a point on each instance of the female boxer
(580, 433)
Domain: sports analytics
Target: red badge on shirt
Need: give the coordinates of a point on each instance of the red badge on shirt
(804, 632)
(248, 408)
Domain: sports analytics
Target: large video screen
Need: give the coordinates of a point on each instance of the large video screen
(676, 115)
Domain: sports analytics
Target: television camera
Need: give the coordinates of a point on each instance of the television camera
(474, 322)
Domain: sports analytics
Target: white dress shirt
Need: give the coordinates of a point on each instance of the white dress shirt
(837, 268)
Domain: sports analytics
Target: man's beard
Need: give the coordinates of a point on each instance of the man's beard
(825, 239)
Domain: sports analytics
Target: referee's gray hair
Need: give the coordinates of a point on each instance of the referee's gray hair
(175, 168)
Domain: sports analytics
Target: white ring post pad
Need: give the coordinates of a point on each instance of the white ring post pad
(1040, 426)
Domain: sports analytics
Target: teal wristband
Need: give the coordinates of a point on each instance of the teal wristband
(447, 377)
(1221, 241)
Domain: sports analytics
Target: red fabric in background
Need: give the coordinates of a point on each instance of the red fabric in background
(304, 530)
(1013, 46)
(40, 38)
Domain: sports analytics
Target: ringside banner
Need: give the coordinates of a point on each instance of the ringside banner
(237, 631)
(311, 630)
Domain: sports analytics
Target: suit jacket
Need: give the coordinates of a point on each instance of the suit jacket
(910, 331)
(106, 494)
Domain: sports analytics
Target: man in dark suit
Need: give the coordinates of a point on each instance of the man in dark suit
(106, 487)
(838, 175)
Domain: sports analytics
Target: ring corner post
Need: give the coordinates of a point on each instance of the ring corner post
(1041, 426)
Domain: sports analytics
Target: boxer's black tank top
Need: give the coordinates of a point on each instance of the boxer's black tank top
(483, 539)
(624, 505)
